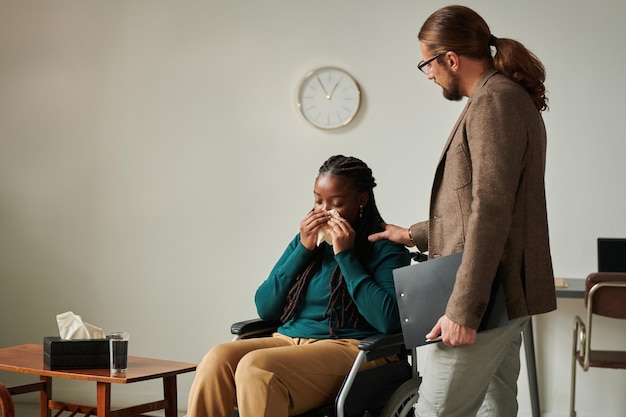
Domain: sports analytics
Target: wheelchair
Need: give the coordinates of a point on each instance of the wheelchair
(389, 390)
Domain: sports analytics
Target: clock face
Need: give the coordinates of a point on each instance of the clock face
(329, 98)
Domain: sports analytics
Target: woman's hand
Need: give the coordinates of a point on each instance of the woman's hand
(343, 234)
(310, 226)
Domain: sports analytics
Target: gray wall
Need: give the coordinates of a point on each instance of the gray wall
(153, 164)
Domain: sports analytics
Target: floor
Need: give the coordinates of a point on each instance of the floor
(32, 410)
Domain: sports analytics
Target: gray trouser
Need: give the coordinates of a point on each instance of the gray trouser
(473, 380)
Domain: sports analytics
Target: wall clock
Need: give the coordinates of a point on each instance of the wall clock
(329, 98)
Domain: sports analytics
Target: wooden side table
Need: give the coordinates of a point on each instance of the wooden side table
(28, 359)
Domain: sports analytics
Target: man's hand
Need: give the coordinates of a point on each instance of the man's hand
(394, 233)
(452, 333)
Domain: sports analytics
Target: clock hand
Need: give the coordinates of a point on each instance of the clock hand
(325, 92)
(329, 96)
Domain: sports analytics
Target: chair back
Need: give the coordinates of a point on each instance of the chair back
(6, 402)
(605, 294)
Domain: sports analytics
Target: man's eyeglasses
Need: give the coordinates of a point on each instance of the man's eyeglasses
(424, 66)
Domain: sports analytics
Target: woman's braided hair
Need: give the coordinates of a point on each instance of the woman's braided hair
(341, 310)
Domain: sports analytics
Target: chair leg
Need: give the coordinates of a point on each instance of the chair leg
(572, 408)
(6, 402)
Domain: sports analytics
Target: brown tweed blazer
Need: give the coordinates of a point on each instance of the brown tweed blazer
(488, 200)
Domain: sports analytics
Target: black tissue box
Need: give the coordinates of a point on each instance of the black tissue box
(75, 354)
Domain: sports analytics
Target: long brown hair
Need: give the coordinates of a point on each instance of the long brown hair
(341, 310)
(462, 30)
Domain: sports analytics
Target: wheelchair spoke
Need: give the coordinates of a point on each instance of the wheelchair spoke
(401, 402)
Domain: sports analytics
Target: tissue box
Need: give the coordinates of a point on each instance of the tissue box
(75, 354)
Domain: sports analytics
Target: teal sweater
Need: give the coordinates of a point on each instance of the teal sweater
(370, 286)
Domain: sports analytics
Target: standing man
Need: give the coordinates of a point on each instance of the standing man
(487, 200)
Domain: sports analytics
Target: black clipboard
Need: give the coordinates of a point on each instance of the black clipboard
(423, 291)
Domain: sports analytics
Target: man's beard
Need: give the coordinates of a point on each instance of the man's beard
(452, 93)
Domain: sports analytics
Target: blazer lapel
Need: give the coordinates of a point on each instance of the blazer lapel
(442, 157)
(483, 80)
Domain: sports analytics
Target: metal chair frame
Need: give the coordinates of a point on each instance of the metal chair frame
(581, 343)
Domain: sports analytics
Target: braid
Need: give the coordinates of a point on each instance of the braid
(339, 297)
(297, 289)
(341, 310)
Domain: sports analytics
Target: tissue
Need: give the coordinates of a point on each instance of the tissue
(72, 327)
(324, 234)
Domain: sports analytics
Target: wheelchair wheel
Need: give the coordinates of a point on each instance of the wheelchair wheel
(401, 402)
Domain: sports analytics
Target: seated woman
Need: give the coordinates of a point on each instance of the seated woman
(328, 298)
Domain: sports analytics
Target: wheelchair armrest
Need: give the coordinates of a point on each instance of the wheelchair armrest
(375, 347)
(254, 327)
(382, 345)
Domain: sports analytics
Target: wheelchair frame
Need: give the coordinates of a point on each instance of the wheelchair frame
(371, 348)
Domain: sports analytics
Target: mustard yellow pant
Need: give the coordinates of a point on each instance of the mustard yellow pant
(276, 376)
